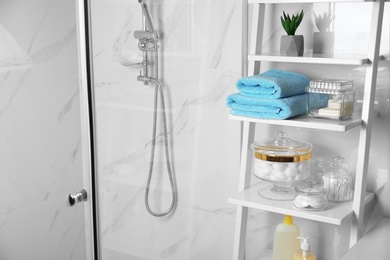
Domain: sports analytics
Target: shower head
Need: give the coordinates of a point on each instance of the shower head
(148, 17)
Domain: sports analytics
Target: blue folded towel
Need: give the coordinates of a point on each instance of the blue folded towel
(266, 108)
(273, 84)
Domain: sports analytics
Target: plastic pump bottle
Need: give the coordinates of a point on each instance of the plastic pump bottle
(304, 253)
(285, 240)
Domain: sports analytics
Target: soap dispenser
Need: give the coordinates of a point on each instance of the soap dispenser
(285, 240)
(304, 253)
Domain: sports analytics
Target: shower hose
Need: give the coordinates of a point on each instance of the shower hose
(158, 89)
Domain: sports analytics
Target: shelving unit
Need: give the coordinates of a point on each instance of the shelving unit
(252, 56)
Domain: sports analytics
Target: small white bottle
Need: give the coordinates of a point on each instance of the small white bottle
(285, 240)
(304, 253)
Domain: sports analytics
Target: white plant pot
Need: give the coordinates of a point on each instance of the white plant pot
(323, 42)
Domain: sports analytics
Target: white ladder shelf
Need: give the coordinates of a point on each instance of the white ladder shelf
(252, 56)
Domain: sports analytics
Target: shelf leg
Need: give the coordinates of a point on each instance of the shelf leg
(248, 128)
(248, 134)
(357, 229)
(240, 233)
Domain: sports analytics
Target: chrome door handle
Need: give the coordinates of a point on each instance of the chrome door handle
(77, 197)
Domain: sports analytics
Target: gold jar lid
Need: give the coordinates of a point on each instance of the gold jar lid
(282, 149)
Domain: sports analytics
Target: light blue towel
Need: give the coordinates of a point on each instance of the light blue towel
(266, 108)
(273, 84)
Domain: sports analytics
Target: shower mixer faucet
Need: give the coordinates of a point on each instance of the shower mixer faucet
(147, 41)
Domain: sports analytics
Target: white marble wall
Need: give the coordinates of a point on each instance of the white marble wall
(199, 64)
(40, 158)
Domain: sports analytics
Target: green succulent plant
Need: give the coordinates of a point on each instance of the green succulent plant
(290, 24)
(323, 22)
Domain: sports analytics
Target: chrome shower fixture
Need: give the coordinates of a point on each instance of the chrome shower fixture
(148, 42)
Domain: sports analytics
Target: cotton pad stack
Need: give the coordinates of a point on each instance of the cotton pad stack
(310, 196)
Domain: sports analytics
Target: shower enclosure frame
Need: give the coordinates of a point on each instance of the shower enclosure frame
(88, 129)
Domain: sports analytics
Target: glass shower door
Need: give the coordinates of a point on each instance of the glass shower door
(194, 84)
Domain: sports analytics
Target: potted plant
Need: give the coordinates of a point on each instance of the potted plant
(291, 44)
(323, 41)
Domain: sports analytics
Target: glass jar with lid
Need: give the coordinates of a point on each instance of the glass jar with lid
(310, 196)
(337, 180)
(340, 96)
(281, 161)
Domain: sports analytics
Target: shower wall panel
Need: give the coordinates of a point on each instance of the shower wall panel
(40, 158)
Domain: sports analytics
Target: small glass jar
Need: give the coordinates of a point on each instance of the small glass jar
(337, 180)
(310, 197)
(337, 97)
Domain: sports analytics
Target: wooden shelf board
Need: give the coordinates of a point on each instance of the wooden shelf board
(307, 1)
(336, 59)
(307, 122)
(334, 214)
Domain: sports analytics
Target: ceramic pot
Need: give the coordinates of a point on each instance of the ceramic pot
(323, 42)
(291, 45)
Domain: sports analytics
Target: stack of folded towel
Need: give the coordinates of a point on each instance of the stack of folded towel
(274, 94)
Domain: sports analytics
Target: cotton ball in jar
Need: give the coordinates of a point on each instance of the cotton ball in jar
(261, 169)
(291, 172)
(279, 176)
(278, 166)
(258, 173)
(267, 168)
(301, 167)
(292, 165)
